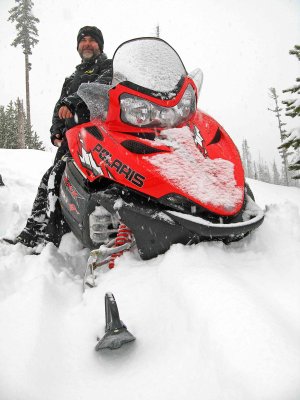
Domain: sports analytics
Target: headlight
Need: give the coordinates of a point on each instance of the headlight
(139, 112)
(180, 203)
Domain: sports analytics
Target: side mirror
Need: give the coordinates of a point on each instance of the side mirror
(197, 76)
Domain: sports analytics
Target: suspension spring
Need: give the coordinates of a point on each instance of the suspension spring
(124, 235)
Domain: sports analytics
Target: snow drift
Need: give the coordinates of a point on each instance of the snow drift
(212, 321)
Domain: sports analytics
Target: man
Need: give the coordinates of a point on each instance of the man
(94, 63)
(46, 223)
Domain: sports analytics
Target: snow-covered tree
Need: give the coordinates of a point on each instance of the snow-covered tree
(276, 174)
(255, 176)
(21, 117)
(282, 133)
(33, 141)
(157, 33)
(293, 105)
(14, 132)
(263, 171)
(11, 127)
(2, 127)
(292, 141)
(247, 160)
(27, 34)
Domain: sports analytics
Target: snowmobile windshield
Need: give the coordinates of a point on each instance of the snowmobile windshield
(150, 63)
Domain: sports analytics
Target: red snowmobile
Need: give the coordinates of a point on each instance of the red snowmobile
(150, 169)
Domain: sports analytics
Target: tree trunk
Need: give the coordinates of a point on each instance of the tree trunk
(21, 124)
(27, 69)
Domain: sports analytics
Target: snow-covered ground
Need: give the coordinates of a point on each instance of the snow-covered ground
(212, 322)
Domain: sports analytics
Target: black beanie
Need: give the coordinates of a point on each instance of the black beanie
(92, 31)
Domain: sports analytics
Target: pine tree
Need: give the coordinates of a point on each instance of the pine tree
(294, 141)
(21, 122)
(276, 174)
(34, 142)
(2, 127)
(247, 160)
(263, 171)
(255, 176)
(293, 110)
(11, 127)
(14, 132)
(293, 105)
(283, 135)
(27, 34)
(157, 31)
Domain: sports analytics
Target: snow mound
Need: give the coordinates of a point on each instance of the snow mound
(211, 321)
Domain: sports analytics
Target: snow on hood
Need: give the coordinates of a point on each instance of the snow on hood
(207, 180)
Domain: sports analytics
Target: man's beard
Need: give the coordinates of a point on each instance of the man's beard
(88, 54)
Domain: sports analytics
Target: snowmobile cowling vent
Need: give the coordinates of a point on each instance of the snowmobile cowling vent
(93, 130)
(216, 138)
(139, 148)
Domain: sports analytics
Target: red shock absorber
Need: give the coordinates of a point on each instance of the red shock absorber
(124, 235)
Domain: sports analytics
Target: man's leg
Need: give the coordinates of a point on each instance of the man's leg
(36, 226)
(56, 225)
(33, 232)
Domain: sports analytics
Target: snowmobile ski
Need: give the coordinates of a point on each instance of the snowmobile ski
(101, 257)
(116, 333)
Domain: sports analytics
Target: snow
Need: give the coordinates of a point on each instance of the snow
(207, 180)
(211, 321)
(252, 211)
(148, 63)
(294, 136)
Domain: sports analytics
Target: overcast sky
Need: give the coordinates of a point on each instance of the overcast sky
(241, 46)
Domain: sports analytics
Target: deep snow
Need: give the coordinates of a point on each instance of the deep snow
(212, 321)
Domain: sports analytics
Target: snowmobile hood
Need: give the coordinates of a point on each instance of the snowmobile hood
(197, 162)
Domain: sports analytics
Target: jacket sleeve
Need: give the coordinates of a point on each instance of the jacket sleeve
(58, 125)
(74, 101)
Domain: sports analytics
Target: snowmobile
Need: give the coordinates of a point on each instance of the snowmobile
(150, 169)
(149, 166)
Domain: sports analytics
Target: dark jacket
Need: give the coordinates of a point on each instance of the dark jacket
(85, 72)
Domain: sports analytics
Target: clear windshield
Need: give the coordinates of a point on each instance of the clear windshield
(148, 62)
